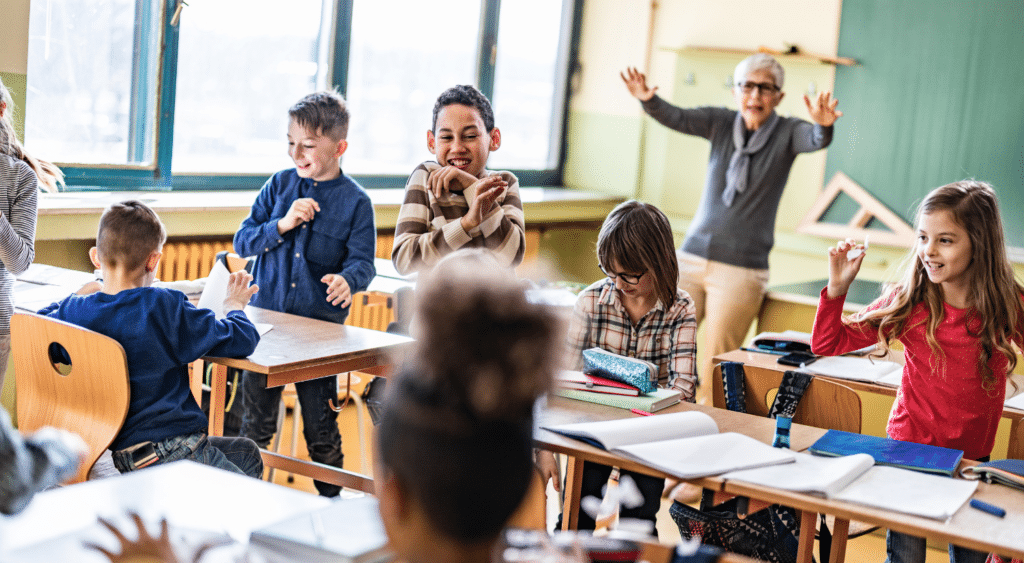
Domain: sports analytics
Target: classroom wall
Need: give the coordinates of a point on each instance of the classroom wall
(14, 54)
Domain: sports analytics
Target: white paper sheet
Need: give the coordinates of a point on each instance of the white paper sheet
(216, 290)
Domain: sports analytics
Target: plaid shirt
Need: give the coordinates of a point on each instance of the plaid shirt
(666, 338)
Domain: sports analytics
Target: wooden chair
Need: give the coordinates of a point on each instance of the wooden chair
(825, 404)
(88, 397)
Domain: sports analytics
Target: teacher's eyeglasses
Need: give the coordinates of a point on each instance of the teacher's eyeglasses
(631, 279)
(761, 87)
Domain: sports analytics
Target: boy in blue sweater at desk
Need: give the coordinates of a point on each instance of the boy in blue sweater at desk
(161, 332)
(313, 234)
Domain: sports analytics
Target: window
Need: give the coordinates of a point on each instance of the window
(124, 99)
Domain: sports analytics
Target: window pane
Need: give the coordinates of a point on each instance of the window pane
(397, 68)
(241, 65)
(81, 63)
(527, 84)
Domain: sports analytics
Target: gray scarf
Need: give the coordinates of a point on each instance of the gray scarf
(738, 174)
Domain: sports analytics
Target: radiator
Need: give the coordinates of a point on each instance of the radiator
(371, 310)
(189, 260)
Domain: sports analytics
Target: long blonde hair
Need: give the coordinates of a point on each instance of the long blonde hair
(995, 302)
(50, 177)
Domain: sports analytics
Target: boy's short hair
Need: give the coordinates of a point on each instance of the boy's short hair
(323, 113)
(129, 232)
(466, 95)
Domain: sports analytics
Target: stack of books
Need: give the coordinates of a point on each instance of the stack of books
(595, 389)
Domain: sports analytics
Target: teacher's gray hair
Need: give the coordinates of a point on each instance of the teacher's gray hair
(759, 61)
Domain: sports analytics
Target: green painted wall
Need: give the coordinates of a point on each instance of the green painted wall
(16, 84)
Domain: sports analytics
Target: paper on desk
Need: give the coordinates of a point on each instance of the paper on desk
(216, 291)
(1017, 401)
(856, 369)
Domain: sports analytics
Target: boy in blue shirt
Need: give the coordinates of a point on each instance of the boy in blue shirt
(161, 332)
(313, 234)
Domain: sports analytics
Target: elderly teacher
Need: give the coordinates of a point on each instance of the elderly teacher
(723, 261)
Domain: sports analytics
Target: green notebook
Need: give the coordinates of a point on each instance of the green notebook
(649, 402)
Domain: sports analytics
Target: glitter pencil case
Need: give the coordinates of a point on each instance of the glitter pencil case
(631, 371)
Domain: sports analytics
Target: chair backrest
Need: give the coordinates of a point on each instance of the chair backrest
(825, 404)
(90, 397)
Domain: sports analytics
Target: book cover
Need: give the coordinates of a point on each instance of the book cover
(650, 402)
(886, 451)
(347, 531)
(578, 380)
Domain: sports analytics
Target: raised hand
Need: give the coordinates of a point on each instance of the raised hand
(239, 291)
(301, 211)
(636, 83)
(488, 190)
(145, 548)
(338, 290)
(448, 178)
(823, 108)
(841, 269)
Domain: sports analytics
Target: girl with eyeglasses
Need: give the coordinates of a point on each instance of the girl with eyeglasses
(636, 311)
(723, 261)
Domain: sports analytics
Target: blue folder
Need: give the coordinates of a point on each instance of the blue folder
(886, 451)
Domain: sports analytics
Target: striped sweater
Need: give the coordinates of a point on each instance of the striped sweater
(19, 192)
(429, 228)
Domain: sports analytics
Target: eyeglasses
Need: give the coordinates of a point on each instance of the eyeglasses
(631, 279)
(761, 87)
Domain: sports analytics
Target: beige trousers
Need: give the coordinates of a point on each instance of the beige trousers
(727, 298)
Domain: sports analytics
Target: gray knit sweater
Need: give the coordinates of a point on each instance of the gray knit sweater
(742, 234)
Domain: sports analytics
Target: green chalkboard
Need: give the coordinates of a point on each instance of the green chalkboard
(938, 96)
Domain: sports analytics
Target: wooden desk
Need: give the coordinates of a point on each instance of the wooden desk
(189, 495)
(968, 527)
(1015, 447)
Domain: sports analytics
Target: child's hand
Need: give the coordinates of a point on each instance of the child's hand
(823, 109)
(145, 548)
(338, 291)
(842, 270)
(90, 288)
(239, 291)
(488, 190)
(301, 211)
(547, 466)
(448, 178)
(636, 82)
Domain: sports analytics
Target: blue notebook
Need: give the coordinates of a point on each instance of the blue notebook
(886, 451)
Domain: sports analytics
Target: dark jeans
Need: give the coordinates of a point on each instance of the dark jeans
(239, 455)
(595, 476)
(319, 421)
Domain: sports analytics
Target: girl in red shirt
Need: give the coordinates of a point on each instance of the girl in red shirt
(956, 311)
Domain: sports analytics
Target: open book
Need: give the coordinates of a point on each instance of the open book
(684, 444)
(871, 370)
(856, 479)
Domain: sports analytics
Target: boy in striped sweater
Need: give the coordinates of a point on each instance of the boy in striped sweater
(456, 202)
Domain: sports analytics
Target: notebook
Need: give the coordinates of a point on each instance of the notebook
(856, 479)
(580, 381)
(347, 531)
(886, 451)
(684, 444)
(650, 402)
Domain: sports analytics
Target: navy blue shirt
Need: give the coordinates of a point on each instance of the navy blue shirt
(341, 239)
(161, 332)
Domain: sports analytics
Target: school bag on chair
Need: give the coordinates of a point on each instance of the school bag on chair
(770, 534)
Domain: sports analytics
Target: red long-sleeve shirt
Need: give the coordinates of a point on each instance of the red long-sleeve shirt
(941, 400)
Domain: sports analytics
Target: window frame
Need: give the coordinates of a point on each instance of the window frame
(160, 130)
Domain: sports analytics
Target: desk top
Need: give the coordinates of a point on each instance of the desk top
(191, 496)
(297, 343)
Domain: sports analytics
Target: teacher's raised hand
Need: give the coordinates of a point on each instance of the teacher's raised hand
(636, 82)
(823, 108)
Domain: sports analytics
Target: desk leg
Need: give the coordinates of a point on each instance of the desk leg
(1015, 450)
(218, 391)
(841, 529)
(808, 525)
(573, 488)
